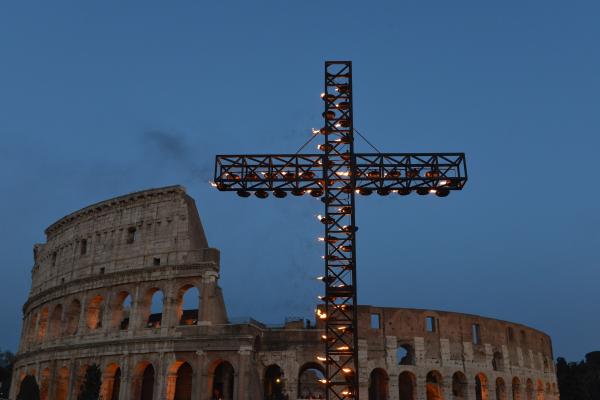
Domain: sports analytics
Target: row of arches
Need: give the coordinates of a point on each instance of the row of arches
(117, 313)
(144, 382)
(435, 387)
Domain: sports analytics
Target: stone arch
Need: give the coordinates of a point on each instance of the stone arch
(121, 311)
(188, 305)
(539, 393)
(152, 307)
(433, 385)
(222, 377)
(273, 382)
(79, 379)
(529, 389)
(179, 381)
(481, 387)
(379, 385)
(143, 381)
(55, 322)
(28, 388)
(407, 384)
(72, 317)
(459, 386)
(45, 384)
(308, 380)
(62, 384)
(500, 389)
(111, 382)
(94, 312)
(42, 324)
(516, 389)
(405, 354)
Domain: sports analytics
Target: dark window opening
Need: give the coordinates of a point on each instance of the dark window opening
(83, 247)
(53, 259)
(62, 280)
(375, 323)
(131, 235)
(510, 334)
(476, 332)
(430, 324)
(102, 271)
(156, 261)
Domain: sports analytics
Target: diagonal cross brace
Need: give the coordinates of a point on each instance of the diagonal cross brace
(336, 176)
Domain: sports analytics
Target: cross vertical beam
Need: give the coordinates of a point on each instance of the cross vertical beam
(341, 335)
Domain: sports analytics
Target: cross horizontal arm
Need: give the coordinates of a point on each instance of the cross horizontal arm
(298, 173)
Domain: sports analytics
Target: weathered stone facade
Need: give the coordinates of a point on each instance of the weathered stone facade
(150, 242)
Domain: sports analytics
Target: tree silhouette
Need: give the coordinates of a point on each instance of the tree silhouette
(29, 389)
(579, 381)
(90, 388)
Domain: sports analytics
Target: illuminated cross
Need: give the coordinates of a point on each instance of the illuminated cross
(335, 176)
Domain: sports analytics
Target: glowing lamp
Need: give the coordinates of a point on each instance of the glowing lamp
(329, 115)
(346, 248)
(412, 173)
(342, 88)
(432, 174)
(393, 174)
(384, 191)
(243, 193)
(442, 192)
(280, 194)
(325, 147)
(422, 191)
(343, 105)
(346, 210)
(261, 194)
(365, 191)
(347, 189)
(373, 174)
(251, 176)
(307, 175)
(298, 192)
(316, 192)
(344, 123)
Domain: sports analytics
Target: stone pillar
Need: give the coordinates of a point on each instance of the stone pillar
(171, 382)
(421, 388)
(199, 382)
(241, 386)
(126, 381)
(72, 380)
(160, 374)
(363, 373)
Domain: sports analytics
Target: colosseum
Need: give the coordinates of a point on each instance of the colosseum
(112, 287)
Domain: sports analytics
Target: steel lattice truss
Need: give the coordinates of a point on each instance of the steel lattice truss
(336, 176)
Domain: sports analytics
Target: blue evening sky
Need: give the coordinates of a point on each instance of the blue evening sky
(98, 99)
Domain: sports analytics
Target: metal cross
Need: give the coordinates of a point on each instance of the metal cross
(336, 176)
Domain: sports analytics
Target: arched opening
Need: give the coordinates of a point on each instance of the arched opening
(28, 389)
(459, 386)
(42, 325)
(481, 387)
(498, 361)
(539, 390)
(529, 389)
(222, 385)
(91, 383)
(94, 313)
(378, 385)
(72, 317)
(153, 305)
(121, 311)
(55, 321)
(188, 305)
(183, 382)
(516, 389)
(309, 386)
(500, 389)
(407, 383)
(405, 355)
(111, 382)
(44, 384)
(147, 386)
(62, 384)
(433, 383)
(273, 383)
